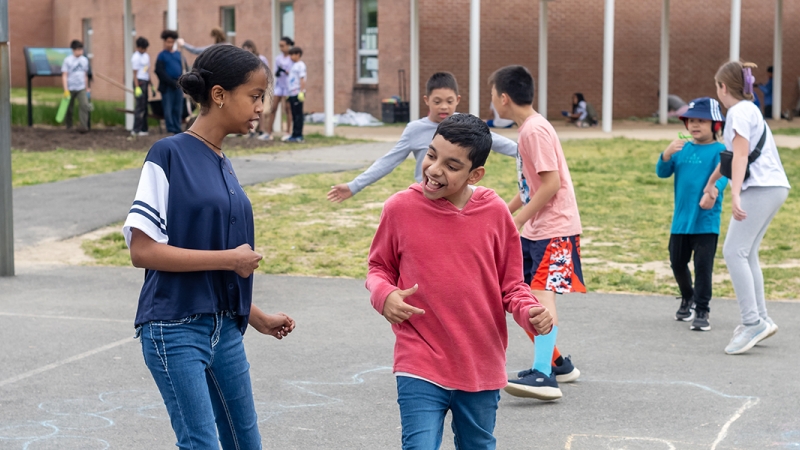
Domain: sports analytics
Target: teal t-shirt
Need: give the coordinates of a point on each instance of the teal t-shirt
(692, 166)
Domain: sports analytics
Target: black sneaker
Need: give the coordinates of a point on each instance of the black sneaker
(686, 311)
(701, 322)
(534, 384)
(566, 372)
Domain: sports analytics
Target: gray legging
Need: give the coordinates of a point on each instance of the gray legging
(741, 248)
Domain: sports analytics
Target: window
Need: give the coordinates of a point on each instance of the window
(367, 41)
(286, 14)
(87, 38)
(228, 15)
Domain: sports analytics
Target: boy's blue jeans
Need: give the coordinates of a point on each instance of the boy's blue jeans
(172, 105)
(424, 405)
(202, 372)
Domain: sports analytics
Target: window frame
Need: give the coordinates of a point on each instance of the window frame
(360, 53)
(230, 35)
(87, 32)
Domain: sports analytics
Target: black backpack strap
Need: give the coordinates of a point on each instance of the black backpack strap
(757, 151)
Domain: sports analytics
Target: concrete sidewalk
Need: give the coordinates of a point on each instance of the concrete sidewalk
(71, 376)
(56, 211)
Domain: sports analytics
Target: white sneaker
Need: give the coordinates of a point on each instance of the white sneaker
(144, 133)
(773, 328)
(264, 137)
(286, 137)
(746, 336)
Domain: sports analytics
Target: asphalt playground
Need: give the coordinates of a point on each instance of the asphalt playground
(72, 376)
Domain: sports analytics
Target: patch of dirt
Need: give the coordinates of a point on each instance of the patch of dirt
(41, 138)
(65, 252)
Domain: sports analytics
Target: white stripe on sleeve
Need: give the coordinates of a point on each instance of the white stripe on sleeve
(149, 210)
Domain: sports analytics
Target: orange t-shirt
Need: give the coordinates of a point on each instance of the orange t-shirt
(540, 151)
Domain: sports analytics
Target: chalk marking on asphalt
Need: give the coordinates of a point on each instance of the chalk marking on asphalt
(355, 379)
(724, 431)
(568, 445)
(45, 316)
(57, 364)
(750, 401)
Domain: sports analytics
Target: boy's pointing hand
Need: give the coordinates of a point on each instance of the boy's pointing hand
(541, 319)
(396, 310)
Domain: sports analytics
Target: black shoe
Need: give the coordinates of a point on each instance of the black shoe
(686, 311)
(701, 322)
(566, 372)
(534, 384)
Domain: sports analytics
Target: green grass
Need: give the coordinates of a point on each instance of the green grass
(625, 209)
(787, 131)
(46, 101)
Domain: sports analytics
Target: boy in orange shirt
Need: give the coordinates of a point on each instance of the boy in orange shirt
(549, 224)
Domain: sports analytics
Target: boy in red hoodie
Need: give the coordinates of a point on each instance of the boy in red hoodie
(444, 267)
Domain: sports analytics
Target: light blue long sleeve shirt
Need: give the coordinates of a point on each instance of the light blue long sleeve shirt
(692, 166)
(415, 139)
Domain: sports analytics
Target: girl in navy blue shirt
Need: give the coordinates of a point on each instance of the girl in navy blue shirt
(191, 228)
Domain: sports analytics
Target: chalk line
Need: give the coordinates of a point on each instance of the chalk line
(44, 316)
(56, 364)
(723, 433)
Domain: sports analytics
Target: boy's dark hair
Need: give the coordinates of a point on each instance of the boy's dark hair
(221, 64)
(288, 41)
(441, 80)
(296, 51)
(76, 44)
(514, 81)
(470, 132)
(142, 42)
(169, 34)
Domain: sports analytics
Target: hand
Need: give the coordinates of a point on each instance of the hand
(276, 325)
(673, 147)
(180, 42)
(518, 223)
(736, 208)
(245, 260)
(396, 310)
(66, 93)
(301, 96)
(707, 202)
(88, 90)
(541, 319)
(339, 193)
(137, 92)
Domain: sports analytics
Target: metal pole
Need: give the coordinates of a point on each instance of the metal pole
(413, 102)
(6, 191)
(608, 66)
(543, 58)
(663, 86)
(172, 15)
(777, 65)
(475, 57)
(277, 124)
(328, 67)
(127, 45)
(736, 27)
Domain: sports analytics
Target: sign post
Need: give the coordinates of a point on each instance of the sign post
(6, 206)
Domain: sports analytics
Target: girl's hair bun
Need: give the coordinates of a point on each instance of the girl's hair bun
(194, 85)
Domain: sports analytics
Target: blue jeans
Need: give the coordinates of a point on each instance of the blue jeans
(172, 104)
(424, 405)
(200, 367)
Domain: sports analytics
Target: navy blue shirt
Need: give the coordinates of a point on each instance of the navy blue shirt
(172, 63)
(189, 197)
(692, 166)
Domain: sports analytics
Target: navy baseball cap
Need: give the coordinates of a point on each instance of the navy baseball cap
(705, 108)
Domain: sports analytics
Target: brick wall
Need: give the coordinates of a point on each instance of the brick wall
(509, 35)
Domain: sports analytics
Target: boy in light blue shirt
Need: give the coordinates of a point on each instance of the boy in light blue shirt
(75, 80)
(695, 221)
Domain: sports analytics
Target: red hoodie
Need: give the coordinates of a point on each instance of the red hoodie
(468, 264)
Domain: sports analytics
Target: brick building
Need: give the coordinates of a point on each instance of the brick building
(509, 35)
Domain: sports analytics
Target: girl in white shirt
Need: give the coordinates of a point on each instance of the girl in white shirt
(755, 200)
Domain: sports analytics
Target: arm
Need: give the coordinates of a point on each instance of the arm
(149, 254)
(515, 203)
(194, 50)
(277, 325)
(741, 151)
(665, 167)
(163, 77)
(86, 82)
(551, 183)
(504, 145)
(64, 76)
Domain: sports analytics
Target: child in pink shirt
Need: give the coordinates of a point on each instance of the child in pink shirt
(444, 267)
(550, 223)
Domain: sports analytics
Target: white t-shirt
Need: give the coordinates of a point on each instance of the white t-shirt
(498, 121)
(296, 73)
(141, 64)
(76, 70)
(745, 119)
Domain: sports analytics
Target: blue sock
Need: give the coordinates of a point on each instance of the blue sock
(543, 346)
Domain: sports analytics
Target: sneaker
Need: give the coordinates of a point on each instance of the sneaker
(686, 311)
(143, 133)
(701, 322)
(566, 372)
(773, 328)
(534, 384)
(286, 137)
(746, 336)
(264, 137)
(295, 139)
